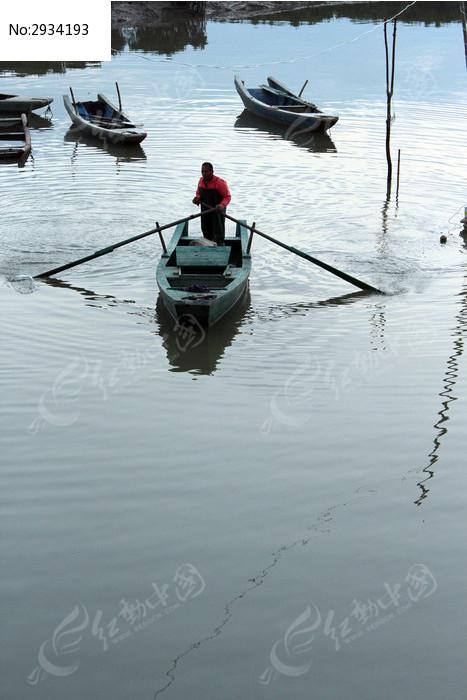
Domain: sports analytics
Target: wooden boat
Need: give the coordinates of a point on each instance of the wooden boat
(279, 104)
(102, 119)
(14, 129)
(19, 104)
(202, 282)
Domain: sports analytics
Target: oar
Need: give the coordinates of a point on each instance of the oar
(109, 249)
(325, 266)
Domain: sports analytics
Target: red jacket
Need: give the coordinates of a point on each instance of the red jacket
(216, 183)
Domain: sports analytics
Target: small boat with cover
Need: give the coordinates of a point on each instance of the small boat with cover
(13, 129)
(102, 119)
(19, 104)
(200, 280)
(279, 104)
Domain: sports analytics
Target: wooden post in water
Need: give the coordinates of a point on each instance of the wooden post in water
(398, 171)
(464, 27)
(158, 229)
(389, 94)
(119, 98)
(250, 240)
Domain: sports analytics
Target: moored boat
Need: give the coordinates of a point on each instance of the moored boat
(19, 104)
(279, 104)
(203, 282)
(13, 129)
(102, 119)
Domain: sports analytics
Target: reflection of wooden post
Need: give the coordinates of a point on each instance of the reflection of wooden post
(389, 93)
(464, 27)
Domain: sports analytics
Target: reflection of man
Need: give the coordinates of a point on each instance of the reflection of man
(212, 192)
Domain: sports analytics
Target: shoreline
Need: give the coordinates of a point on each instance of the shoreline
(153, 14)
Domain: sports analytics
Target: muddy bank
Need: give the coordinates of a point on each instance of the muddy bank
(149, 14)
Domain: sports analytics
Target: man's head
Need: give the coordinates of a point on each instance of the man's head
(207, 171)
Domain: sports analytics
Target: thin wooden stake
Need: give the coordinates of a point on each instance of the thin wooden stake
(398, 171)
(73, 101)
(158, 229)
(119, 98)
(464, 28)
(250, 240)
(389, 94)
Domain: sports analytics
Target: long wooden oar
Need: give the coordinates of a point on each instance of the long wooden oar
(325, 266)
(111, 248)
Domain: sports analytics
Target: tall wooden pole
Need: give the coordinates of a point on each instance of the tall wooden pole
(464, 27)
(389, 94)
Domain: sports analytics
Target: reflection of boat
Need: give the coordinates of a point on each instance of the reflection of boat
(102, 119)
(123, 152)
(204, 282)
(19, 104)
(14, 129)
(315, 141)
(193, 348)
(37, 121)
(276, 103)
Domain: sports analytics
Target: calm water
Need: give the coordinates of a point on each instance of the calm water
(273, 510)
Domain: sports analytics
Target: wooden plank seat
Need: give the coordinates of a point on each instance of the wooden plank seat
(304, 109)
(198, 256)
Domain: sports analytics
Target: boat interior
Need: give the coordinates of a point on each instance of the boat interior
(11, 129)
(276, 98)
(101, 113)
(192, 265)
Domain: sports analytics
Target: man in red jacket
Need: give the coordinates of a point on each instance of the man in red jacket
(212, 191)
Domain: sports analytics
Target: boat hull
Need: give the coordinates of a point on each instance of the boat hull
(195, 288)
(19, 104)
(205, 312)
(14, 129)
(124, 135)
(301, 116)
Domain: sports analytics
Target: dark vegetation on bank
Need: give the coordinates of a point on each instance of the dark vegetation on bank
(133, 14)
(168, 27)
